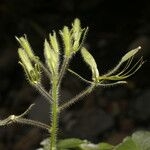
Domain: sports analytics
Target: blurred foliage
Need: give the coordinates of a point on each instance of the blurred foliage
(139, 140)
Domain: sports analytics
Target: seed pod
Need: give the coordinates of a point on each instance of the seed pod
(130, 54)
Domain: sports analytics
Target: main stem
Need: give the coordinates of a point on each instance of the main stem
(54, 113)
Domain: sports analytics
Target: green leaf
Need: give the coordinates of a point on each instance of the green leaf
(105, 146)
(88, 58)
(142, 139)
(70, 143)
(138, 141)
(127, 144)
(89, 146)
(45, 144)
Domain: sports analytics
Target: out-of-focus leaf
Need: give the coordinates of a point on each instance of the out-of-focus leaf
(127, 144)
(70, 143)
(138, 141)
(89, 146)
(45, 144)
(105, 146)
(142, 139)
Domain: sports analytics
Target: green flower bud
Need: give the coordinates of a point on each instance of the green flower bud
(26, 46)
(66, 36)
(88, 58)
(78, 35)
(51, 58)
(33, 73)
(54, 42)
(77, 32)
(25, 59)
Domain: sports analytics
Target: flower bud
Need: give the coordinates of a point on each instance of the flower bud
(26, 46)
(54, 42)
(51, 58)
(25, 59)
(88, 58)
(66, 36)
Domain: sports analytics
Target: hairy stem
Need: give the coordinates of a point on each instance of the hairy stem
(54, 123)
(77, 97)
(44, 93)
(18, 119)
(32, 123)
(80, 77)
(63, 69)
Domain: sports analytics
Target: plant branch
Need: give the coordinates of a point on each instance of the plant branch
(111, 84)
(80, 77)
(32, 123)
(77, 97)
(62, 70)
(27, 111)
(54, 114)
(43, 92)
(19, 119)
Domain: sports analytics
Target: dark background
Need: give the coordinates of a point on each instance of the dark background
(107, 114)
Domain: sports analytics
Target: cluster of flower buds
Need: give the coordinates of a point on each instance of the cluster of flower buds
(73, 38)
(27, 58)
(73, 41)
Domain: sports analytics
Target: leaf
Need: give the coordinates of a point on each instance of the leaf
(105, 146)
(138, 141)
(142, 139)
(88, 58)
(127, 144)
(70, 143)
(89, 146)
(45, 144)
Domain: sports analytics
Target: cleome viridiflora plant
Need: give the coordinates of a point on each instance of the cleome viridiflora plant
(54, 68)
